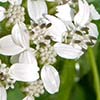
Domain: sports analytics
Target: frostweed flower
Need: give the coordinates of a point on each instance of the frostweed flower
(50, 81)
(6, 81)
(15, 13)
(80, 32)
(21, 53)
(37, 42)
(42, 40)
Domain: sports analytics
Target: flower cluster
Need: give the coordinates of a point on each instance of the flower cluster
(6, 81)
(33, 48)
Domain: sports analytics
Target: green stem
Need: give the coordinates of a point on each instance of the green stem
(95, 72)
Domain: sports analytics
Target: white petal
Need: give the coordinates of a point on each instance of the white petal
(67, 51)
(3, 0)
(23, 72)
(64, 12)
(36, 9)
(29, 98)
(15, 2)
(57, 29)
(20, 35)
(2, 13)
(50, 78)
(93, 31)
(3, 94)
(27, 57)
(94, 14)
(83, 16)
(8, 47)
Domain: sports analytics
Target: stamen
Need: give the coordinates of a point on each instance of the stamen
(42, 25)
(48, 25)
(79, 33)
(92, 37)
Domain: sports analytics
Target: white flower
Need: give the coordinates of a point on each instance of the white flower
(38, 11)
(50, 78)
(49, 75)
(5, 81)
(50, 81)
(26, 70)
(75, 38)
(39, 14)
(15, 12)
(58, 30)
(17, 45)
(83, 17)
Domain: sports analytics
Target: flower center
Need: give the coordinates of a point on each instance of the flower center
(35, 88)
(80, 37)
(15, 14)
(40, 37)
(47, 55)
(5, 79)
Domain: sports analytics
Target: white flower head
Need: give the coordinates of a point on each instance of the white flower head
(5, 78)
(5, 81)
(15, 12)
(77, 33)
(17, 45)
(50, 81)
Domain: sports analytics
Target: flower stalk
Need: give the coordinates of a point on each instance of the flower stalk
(95, 72)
